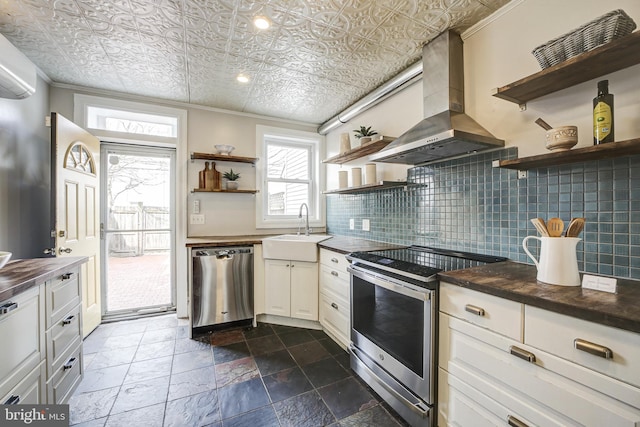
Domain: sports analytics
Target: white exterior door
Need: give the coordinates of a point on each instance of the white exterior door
(75, 163)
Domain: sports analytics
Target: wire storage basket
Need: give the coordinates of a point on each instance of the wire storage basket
(602, 30)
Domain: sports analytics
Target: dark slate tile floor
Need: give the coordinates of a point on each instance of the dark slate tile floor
(148, 372)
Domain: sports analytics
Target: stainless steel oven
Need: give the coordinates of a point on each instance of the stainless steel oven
(394, 306)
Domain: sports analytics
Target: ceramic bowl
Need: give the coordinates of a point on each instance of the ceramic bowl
(4, 258)
(225, 150)
(562, 138)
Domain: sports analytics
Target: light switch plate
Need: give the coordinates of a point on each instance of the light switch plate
(352, 224)
(196, 206)
(365, 225)
(195, 219)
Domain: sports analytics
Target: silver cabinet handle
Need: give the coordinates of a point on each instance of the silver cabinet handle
(334, 260)
(334, 305)
(68, 320)
(13, 400)
(592, 348)
(70, 364)
(64, 250)
(514, 422)
(66, 276)
(7, 307)
(334, 273)
(522, 354)
(49, 251)
(478, 311)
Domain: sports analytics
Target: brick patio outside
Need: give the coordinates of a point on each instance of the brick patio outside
(138, 281)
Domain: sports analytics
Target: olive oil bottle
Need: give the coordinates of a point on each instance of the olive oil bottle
(603, 115)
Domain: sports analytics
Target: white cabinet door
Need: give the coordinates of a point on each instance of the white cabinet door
(304, 290)
(277, 287)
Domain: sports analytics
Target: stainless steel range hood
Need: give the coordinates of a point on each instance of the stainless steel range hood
(446, 131)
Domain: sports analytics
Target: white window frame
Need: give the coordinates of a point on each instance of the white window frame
(313, 141)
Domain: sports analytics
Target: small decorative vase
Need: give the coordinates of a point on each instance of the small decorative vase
(365, 140)
(345, 143)
(232, 185)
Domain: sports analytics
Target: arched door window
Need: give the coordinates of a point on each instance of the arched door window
(79, 158)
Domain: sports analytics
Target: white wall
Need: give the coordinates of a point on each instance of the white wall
(498, 52)
(225, 214)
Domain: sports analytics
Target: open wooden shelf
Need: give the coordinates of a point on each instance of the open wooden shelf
(382, 185)
(202, 190)
(223, 158)
(361, 151)
(596, 152)
(613, 56)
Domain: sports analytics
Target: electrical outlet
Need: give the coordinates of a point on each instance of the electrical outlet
(196, 206)
(196, 219)
(352, 224)
(366, 226)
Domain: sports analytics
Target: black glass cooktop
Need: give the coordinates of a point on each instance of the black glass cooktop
(423, 261)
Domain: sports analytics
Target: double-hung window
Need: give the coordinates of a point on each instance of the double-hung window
(289, 174)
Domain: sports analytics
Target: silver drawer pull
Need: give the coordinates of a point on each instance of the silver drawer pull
(67, 276)
(334, 260)
(7, 307)
(478, 311)
(13, 400)
(68, 320)
(514, 422)
(334, 305)
(592, 348)
(334, 273)
(70, 364)
(522, 354)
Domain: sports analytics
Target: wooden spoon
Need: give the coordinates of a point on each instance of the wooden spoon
(539, 224)
(555, 226)
(575, 227)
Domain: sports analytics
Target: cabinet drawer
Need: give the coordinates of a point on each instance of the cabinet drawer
(21, 338)
(335, 317)
(624, 363)
(61, 336)
(497, 314)
(548, 391)
(334, 260)
(28, 391)
(62, 294)
(334, 281)
(67, 376)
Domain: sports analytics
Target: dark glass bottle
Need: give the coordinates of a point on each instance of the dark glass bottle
(603, 115)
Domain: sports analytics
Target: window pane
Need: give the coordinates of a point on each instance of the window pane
(286, 198)
(287, 162)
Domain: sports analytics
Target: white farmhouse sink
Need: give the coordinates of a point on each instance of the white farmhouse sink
(292, 247)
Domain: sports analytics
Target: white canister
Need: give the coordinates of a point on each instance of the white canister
(343, 179)
(356, 177)
(370, 173)
(345, 143)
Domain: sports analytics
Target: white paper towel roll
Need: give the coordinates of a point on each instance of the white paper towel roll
(343, 179)
(356, 177)
(370, 173)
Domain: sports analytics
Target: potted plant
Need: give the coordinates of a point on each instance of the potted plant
(364, 134)
(232, 179)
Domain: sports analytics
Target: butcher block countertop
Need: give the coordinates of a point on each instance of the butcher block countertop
(22, 274)
(340, 244)
(517, 282)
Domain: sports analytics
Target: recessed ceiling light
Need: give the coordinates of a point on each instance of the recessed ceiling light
(242, 78)
(261, 22)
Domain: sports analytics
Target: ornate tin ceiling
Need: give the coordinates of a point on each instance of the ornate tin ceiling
(318, 57)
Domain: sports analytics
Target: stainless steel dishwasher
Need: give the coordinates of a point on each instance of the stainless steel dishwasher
(222, 287)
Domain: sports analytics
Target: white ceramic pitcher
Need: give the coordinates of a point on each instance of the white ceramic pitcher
(558, 264)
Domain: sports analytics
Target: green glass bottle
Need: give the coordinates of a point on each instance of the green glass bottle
(603, 115)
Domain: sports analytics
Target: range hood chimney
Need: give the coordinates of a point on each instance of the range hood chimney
(446, 130)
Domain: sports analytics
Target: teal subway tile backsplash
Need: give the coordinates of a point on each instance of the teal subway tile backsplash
(467, 204)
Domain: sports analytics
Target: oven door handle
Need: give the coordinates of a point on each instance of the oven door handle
(417, 407)
(394, 287)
